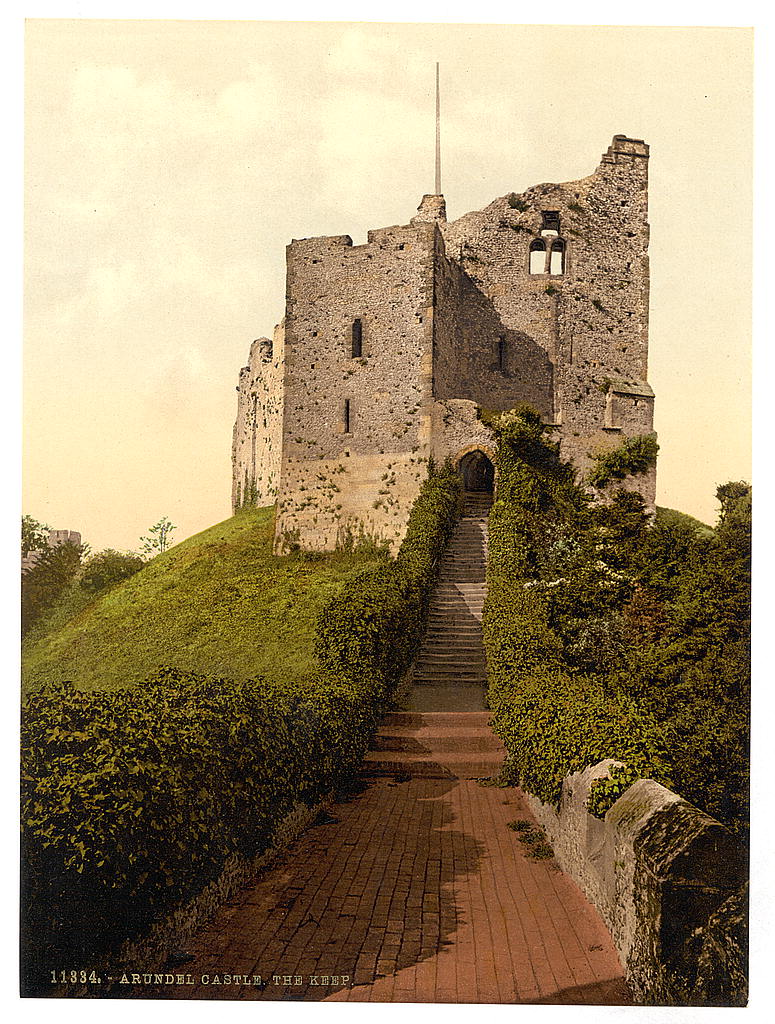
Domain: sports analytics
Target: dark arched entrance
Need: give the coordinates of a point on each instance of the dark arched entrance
(477, 472)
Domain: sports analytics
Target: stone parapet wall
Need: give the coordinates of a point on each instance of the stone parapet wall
(665, 877)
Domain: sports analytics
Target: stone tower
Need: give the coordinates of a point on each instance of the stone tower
(388, 349)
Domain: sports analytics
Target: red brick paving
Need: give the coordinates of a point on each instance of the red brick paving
(418, 893)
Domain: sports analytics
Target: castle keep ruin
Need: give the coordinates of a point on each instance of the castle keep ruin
(388, 349)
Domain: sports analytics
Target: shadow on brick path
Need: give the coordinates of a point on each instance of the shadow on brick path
(418, 892)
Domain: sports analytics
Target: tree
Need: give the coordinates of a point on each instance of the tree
(108, 568)
(34, 535)
(44, 583)
(159, 538)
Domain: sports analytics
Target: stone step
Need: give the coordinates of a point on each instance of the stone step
(482, 742)
(436, 719)
(447, 680)
(449, 669)
(443, 765)
(445, 629)
(451, 647)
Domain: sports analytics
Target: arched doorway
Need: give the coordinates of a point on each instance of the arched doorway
(477, 472)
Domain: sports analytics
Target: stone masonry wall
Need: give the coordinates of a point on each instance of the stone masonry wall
(356, 429)
(590, 316)
(449, 313)
(476, 356)
(257, 438)
(661, 873)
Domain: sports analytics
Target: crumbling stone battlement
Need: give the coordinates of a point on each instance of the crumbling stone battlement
(388, 347)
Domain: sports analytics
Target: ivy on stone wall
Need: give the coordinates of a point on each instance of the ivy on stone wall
(553, 720)
(635, 455)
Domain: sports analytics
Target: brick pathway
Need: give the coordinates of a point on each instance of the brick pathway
(417, 893)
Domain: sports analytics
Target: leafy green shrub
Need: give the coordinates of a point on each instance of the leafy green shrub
(608, 637)
(107, 568)
(43, 584)
(544, 565)
(373, 628)
(133, 799)
(517, 204)
(554, 724)
(633, 456)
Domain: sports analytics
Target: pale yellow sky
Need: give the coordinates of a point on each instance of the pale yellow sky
(168, 164)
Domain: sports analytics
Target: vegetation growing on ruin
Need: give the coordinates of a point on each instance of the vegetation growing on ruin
(219, 603)
(635, 455)
(608, 636)
(517, 204)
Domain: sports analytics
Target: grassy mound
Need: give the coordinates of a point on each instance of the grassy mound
(672, 517)
(219, 603)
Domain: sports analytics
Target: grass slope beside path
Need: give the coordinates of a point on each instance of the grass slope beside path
(219, 603)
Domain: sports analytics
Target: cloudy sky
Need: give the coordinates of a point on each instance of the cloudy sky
(169, 163)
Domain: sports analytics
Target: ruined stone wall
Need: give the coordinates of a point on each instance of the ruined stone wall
(257, 438)
(587, 308)
(476, 356)
(458, 430)
(356, 428)
(449, 313)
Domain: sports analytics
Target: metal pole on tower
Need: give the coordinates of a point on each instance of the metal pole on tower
(438, 135)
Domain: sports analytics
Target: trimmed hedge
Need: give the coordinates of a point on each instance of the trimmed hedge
(552, 721)
(373, 628)
(133, 799)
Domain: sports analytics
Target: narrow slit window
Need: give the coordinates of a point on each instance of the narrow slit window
(537, 257)
(357, 339)
(501, 353)
(346, 416)
(557, 258)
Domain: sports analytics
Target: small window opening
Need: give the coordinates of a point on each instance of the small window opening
(346, 416)
(538, 257)
(357, 339)
(501, 353)
(557, 257)
(550, 222)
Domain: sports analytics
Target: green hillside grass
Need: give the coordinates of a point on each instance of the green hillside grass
(219, 603)
(671, 516)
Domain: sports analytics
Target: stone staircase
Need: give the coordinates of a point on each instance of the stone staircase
(444, 730)
(452, 655)
(435, 744)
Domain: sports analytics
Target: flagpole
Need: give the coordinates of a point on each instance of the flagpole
(438, 135)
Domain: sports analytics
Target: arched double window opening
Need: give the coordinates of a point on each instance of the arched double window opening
(356, 339)
(554, 256)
